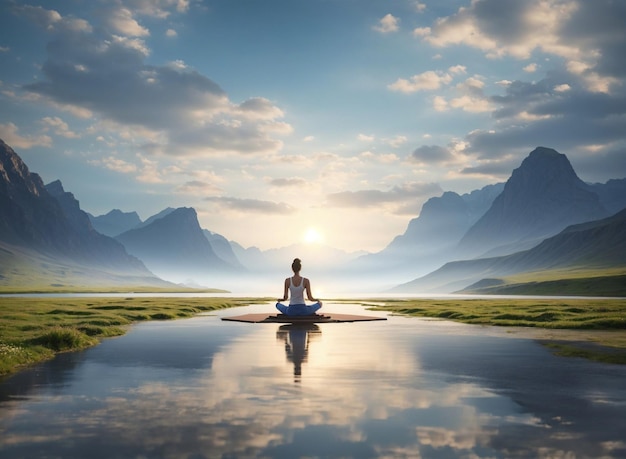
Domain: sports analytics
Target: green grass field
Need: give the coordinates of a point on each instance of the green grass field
(34, 329)
(607, 282)
(598, 325)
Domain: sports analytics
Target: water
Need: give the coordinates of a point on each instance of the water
(405, 387)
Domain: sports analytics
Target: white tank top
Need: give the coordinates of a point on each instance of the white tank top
(296, 295)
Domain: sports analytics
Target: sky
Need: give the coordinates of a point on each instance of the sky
(319, 121)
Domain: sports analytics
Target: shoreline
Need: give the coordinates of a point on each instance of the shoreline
(36, 328)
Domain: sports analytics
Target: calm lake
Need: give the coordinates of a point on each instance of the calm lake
(401, 388)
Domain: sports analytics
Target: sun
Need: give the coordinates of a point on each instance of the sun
(313, 236)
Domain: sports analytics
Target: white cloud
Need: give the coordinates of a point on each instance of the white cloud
(115, 164)
(421, 31)
(562, 87)
(419, 6)
(175, 109)
(472, 104)
(59, 127)
(457, 69)
(425, 81)
(197, 187)
(440, 104)
(387, 24)
(122, 22)
(171, 33)
(397, 141)
(9, 133)
(530, 68)
(366, 138)
(554, 27)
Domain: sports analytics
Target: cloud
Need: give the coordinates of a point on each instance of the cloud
(252, 205)
(557, 111)
(366, 138)
(398, 195)
(426, 81)
(121, 21)
(530, 68)
(9, 133)
(59, 127)
(184, 112)
(288, 182)
(587, 35)
(432, 154)
(115, 164)
(160, 9)
(51, 20)
(419, 6)
(387, 24)
(171, 33)
(197, 187)
(397, 141)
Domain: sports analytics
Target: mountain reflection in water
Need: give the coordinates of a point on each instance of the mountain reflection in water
(402, 388)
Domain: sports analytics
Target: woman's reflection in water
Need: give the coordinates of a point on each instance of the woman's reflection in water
(297, 338)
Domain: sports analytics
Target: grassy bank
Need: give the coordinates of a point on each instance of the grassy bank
(34, 329)
(606, 282)
(602, 321)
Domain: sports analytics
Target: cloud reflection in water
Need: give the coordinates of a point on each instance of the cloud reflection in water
(361, 390)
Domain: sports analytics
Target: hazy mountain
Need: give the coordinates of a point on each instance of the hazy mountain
(43, 229)
(431, 238)
(592, 245)
(153, 218)
(222, 248)
(251, 258)
(542, 196)
(479, 201)
(175, 248)
(612, 194)
(115, 222)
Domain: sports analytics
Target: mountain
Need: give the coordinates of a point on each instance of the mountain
(542, 196)
(115, 222)
(175, 248)
(595, 245)
(430, 239)
(612, 194)
(43, 229)
(251, 258)
(222, 248)
(153, 218)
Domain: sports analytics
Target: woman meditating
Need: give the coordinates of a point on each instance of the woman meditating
(296, 286)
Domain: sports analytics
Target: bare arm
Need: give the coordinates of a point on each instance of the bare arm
(307, 286)
(285, 290)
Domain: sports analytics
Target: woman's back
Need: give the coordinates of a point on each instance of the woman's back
(296, 292)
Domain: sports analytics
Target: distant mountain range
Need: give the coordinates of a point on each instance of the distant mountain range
(541, 198)
(42, 229)
(543, 218)
(599, 244)
(175, 247)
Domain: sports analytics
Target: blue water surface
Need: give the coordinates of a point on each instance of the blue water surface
(400, 388)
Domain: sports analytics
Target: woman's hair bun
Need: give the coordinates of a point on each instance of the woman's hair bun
(296, 265)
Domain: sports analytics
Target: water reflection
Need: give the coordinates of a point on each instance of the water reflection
(401, 388)
(297, 338)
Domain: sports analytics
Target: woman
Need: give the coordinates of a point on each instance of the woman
(296, 286)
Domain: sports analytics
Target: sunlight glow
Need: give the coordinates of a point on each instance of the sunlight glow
(313, 236)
